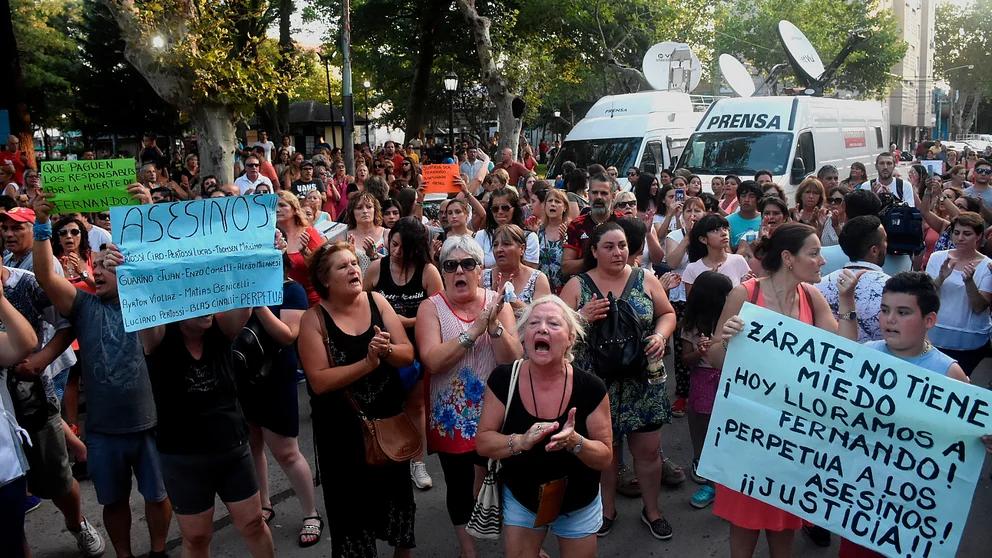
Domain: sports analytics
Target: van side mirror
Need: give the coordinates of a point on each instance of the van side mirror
(798, 170)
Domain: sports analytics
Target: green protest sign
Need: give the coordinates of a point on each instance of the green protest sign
(88, 186)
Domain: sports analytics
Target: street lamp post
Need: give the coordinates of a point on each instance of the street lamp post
(367, 84)
(451, 85)
(326, 58)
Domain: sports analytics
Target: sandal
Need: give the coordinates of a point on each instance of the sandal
(271, 515)
(311, 530)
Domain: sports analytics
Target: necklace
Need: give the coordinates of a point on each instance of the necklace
(533, 394)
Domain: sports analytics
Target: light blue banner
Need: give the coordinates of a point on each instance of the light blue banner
(188, 259)
(880, 451)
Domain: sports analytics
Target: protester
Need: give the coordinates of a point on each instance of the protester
(836, 216)
(792, 259)
(293, 171)
(551, 235)
(271, 407)
(702, 311)
(864, 243)
(560, 436)
(405, 277)
(302, 240)
(315, 201)
(504, 209)
(908, 311)
(509, 244)
(887, 183)
(645, 407)
(16, 342)
(857, 175)
(730, 203)
(352, 375)
(365, 231)
(15, 157)
(248, 181)
(939, 205)
(581, 228)
(964, 281)
(646, 192)
(810, 204)
(462, 334)
(74, 253)
(202, 437)
(747, 217)
(120, 412)
(708, 251)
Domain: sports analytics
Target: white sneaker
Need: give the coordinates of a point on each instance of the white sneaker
(89, 540)
(418, 472)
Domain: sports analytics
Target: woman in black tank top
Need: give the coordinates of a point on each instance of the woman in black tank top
(405, 278)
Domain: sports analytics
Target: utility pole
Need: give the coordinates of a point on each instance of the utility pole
(326, 57)
(348, 104)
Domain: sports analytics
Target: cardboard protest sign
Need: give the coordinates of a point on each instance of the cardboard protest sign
(88, 186)
(440, 179)
(866, 445)
(188, 259)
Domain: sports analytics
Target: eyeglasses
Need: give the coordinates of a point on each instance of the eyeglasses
(451, 266)
(984, 170)
(501, 208)
(626, 204)
(836, 201)
(67, 232)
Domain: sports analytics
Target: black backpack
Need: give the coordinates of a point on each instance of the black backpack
(254, 351)
(616, 343)
(903, 224)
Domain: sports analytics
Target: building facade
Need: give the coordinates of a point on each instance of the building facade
(911, 109)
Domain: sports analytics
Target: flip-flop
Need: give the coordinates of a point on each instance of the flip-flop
(310, 530)
(272, 515)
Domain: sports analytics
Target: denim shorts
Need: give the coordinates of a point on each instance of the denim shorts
(113, 457)
(578, 524)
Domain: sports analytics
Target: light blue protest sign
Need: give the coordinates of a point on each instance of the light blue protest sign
(188, 259)
(880, 451)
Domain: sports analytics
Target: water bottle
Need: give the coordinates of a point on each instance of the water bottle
(657, 374)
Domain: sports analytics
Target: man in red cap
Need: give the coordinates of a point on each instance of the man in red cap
(16, 225)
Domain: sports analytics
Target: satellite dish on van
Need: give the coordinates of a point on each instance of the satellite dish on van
(736, 75)
(804, 58)
(671, 66)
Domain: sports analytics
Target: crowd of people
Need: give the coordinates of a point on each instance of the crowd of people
(521, 320)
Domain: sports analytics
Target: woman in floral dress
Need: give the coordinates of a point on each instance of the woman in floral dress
(462, 333)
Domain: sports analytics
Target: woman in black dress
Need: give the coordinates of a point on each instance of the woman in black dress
(366, 344)
(406, 277)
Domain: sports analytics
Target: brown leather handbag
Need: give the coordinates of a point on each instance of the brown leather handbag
(387, 440)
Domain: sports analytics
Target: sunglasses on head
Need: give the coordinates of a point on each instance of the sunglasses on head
(451, 266)
(67, 232)
(504, 207)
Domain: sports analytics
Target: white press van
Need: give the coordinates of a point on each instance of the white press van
(790, 136)
(647, 130)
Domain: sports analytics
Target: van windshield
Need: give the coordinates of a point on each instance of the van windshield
(740, 153)
(617, 152)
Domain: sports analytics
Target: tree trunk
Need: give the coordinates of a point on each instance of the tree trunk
(431, 18)
(496, 83)
(215, 127)
(968, 119)
(286, 9)
(13, 95)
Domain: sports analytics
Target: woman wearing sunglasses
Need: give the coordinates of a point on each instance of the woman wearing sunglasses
(462, 333)
(504, 209)
(838, 216)
(71, 245)
(626, 203)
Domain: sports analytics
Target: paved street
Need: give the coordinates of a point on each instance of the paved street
(697, 533)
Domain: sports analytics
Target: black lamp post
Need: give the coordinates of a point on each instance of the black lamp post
(451, 85)
(367, 84)
(326, 58)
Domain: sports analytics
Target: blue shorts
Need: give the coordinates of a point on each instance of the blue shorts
(59, 381)
(578, 524)
(112, 458)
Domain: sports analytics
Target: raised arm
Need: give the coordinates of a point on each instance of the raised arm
(60, 291)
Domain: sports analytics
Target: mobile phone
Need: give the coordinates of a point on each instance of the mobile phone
(680, 195)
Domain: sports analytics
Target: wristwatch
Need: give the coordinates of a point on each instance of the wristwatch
(84, 275)
(465, 340)
(499, 331)
(578, 446)
(852, 315)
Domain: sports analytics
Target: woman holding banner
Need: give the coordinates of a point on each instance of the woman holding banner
(792, 259)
